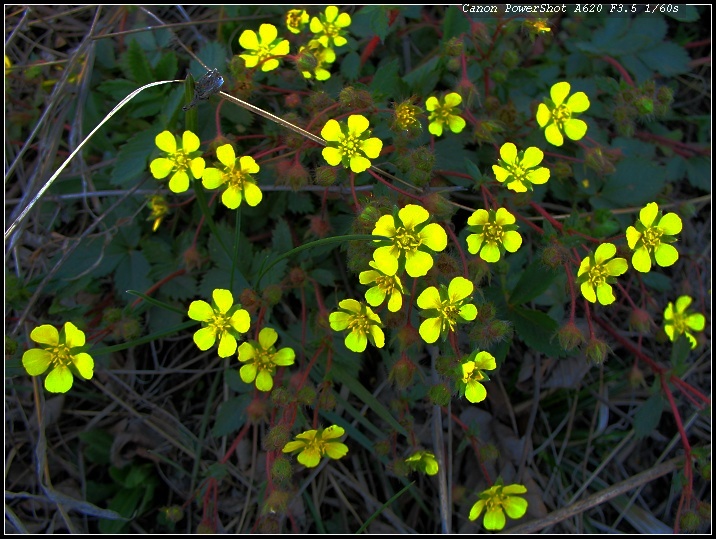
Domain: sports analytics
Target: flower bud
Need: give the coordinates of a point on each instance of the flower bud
(561, 170)
(249, 300)
(281, 470)
(407, 336)
(597, 351)
(570, 336)
(257, 411)
(173, 513)
(306, 395)
(689, 522)
(510, 58)
(276, 502)
(327, 398)
(272, 294)
(635, 377)
(297, 277)
(192, 258)
(439, 395)
(292, 101)
(489, 452)
(276, 438)
(382, 448)
(319, 226)
(352, 98)
(325, 175)
(644, 106)
(402, 373)
(641, 321)
(454, 46)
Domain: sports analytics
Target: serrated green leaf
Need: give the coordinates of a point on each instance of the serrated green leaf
(666, 58)
(536, 330)
(647, 417)
(231, 415)
(636, 181)
(698, 172)
(167, 66)
(685, 13)
(323, 277)
(350, 66)
(535, 279)
(214, 55)
(118, 89)
(386, 82)
(679, 354)
(455, 23)
(281, 241)
(473, 171)
(422, 80)
(137, 64)
(133, 158)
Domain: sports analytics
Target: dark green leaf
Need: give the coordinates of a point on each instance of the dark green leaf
(535, 279)
(685, 13)
(133, 158)
(636, 182)
(231, 416)
(666, 58)
(137, 64)
(647, 417)
(281, 242)
(167, 67)
(118, 89)
(455, 23)
(536, 330)
(698, 172)
(350, 66)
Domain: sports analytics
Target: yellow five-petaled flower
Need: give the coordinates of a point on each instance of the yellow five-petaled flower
(494, 232)
(386, 285)
(265, 48)
(315, 444)
(472, 371)
(223, 320)
(411, 241)
(519, 170)
(679, 320)
(236, 175)
(179, 160)
(261, 359)
(350, 144)
(445, 307)
(498, 500)
(443, 114)
(650, 238)
(363, 323)
(423, 461)
(329, 27)
(597, 273)
(556, 115)
(63, 351)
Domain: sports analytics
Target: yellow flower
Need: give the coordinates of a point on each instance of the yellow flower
(179, 160)
(160, 208)
(678, 320)
(537, 26)
(350, 144)
(296, 20)
(405, 118)
(557, 116)
(363, 323)
(597, 272)
(445, 307)
(518, 171)
(410, 241)
(262, 48)
(262, 358)
(321, 56)
(423, 461)
(651, 236)
(63, 351)
(315, 444)
(236, 174)
(472, 375)
(498, 500)
(329, 26)
(494, 232)
(222, 319)
(442, 114)
(385, 286)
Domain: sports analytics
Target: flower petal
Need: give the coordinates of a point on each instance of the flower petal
(46, 334)
(434, 237)
(336, 450)
(332, 131)
(200, 310)
(538, 176)
(544, 115)
(248, 373)
(205, 338)
(356, 341)
(670, 224)
(227, 344)
(641, 260)
(474, 242)
(418, 263)
(372, 147)
(412, 215)
(604, 252)
(490, 252)
(252, 193)
(249, 40)
(161, 167)
(508, 153)
(605, 294)
(267, 338)
(36, 361)
(339, 320)
(579, 102)
(512, 240)
(333, 156)
(666, 255)
(246, 352)
(59, 380)
(559, 92)
(166, 142)
(240, 321)
(533, 156)
(190, 142)
(84, 364)
(430, 329)
(553, 135)
(284, 357)
(357, 123)
(264, 380)
(358, 164)
(179, 182)
(429, 298)
(575, 129)
(632, 236)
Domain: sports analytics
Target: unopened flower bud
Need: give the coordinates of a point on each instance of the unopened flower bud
(325, 176)
(570, 336)
(641, 321)
(402, 373)
(353, 98)
(276, 438)
(272, 294)
(281, 470)
(596, 351)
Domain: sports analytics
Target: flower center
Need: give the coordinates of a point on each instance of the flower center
(518, 171)
(359, 323)
(331, 30)
(679, 324)
(385, 283)
(561, 114)
(181, 160)
(264, 361)
(442, 113)
(598, 275)
(220, 323)
(406, 240)
(449, 314)
(236, 179)
(652, 237)
(60, 355)
(350, 145)
(493, 233)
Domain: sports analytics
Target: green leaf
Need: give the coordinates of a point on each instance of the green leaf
(133, 158)
(350, 66)
(473, 171)
(117, 89)
(679, 353)
(281, 242)
(455, 23)
(167, 66)
(698, 172)
(666, 58)
(635, 182)
(98, 445)
(685, 13)
(422, 79)
(536, 330)
(647, 417)
(231, 416)
(535, 279)
(214, 55)
(387, 82)
(137, 65)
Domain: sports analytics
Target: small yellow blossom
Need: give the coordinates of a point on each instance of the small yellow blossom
(315, 444)
(494, 233)
(411, 241)
(329, 27)
(556, 115)
(160, 208)
(473, 375)
(321, 56)
(363, 323)
(423, 461)
(264, 48)
(296, 20)
(445, 307)
(519, 170)
(405, 118)
(222, 319)
(350, 144)
(678, 320)
(63, 351)
(262, 358)
(442, 114)
(179, 160)
(651, 236)
(236, 174)
(498, 500)
(597, 272)
(385, 286)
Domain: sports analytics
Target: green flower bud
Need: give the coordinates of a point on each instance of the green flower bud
(402, 373)
(325, 175)
(439, 395)
(281, 469)
(352, 98)
(570, 336)
(272, 294)
(597, 351)
(276, 438)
